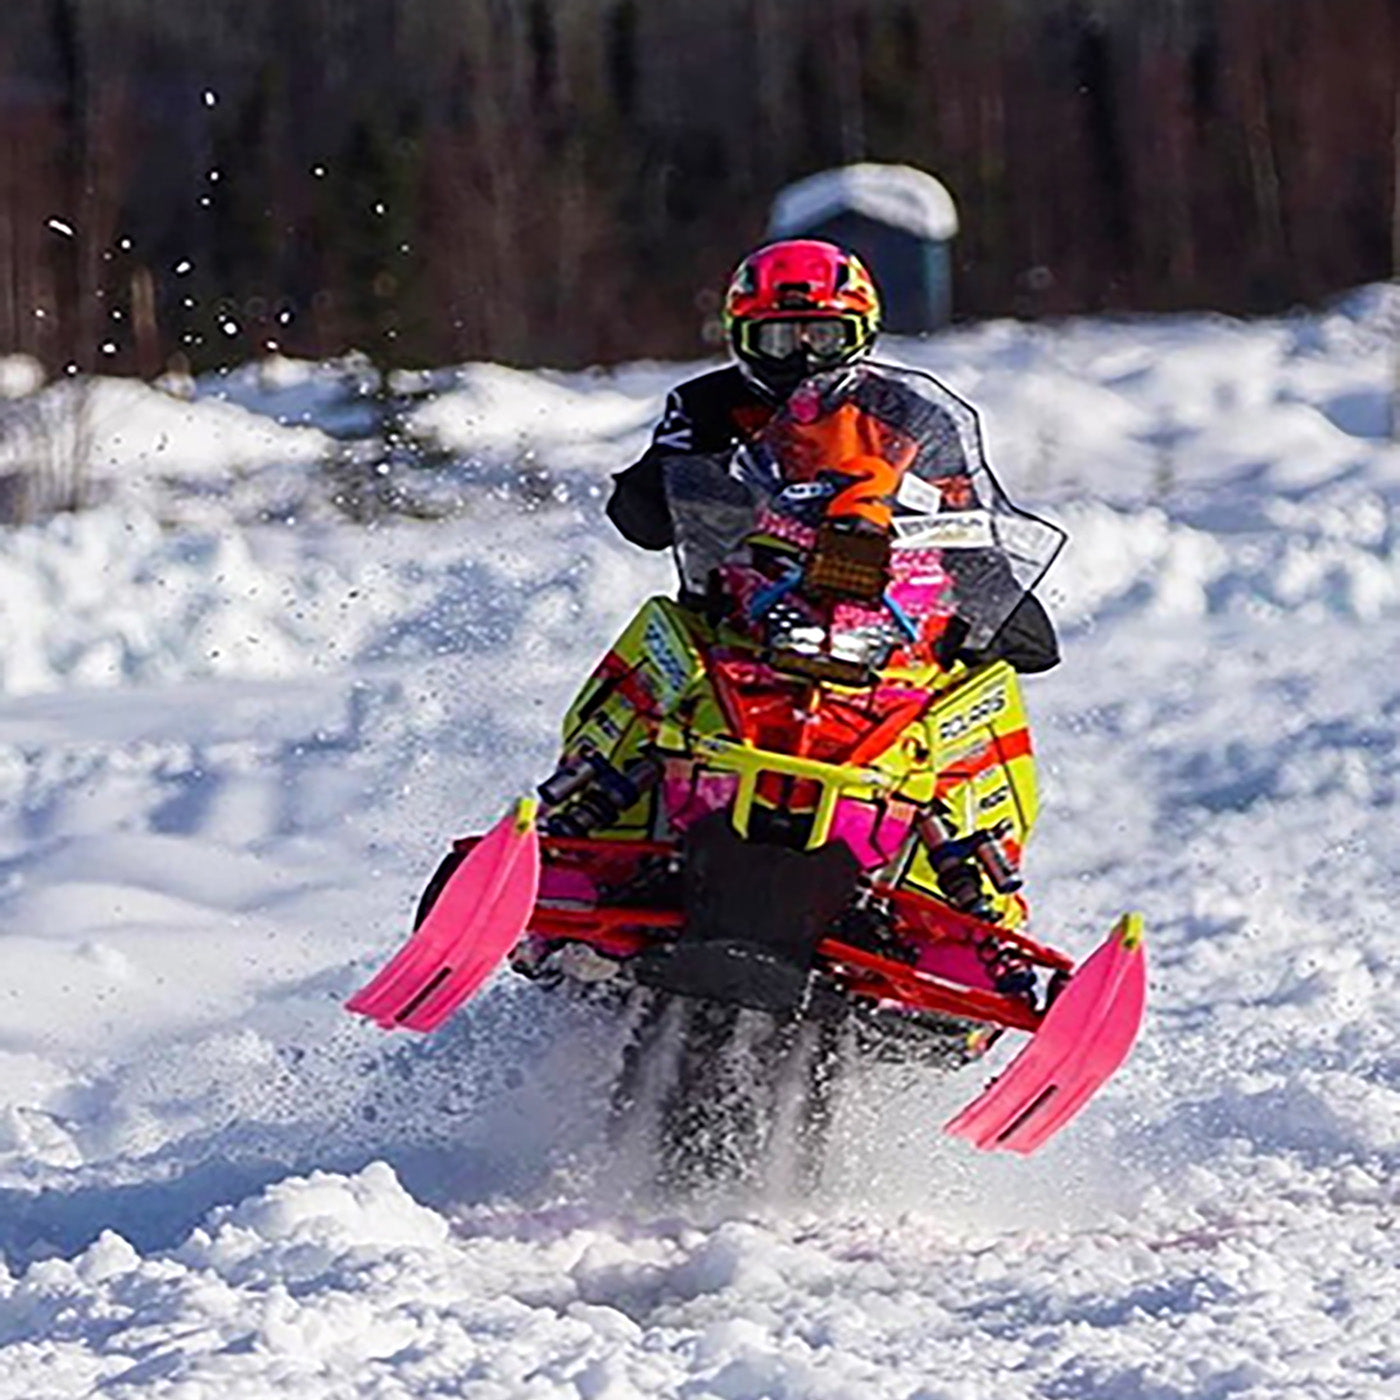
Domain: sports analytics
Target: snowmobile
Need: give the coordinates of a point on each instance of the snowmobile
(798, 798)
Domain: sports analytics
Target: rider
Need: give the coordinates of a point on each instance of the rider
(793, 309)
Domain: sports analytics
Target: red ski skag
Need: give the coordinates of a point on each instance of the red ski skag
(807, 798)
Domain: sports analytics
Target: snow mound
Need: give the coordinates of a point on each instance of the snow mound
(126, 433)
(1326, 558)
(330, 1286)
(232, 750)
(108, 598)
(523, 417)
(316, 1220)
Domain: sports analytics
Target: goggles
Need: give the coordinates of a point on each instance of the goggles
(827, 339)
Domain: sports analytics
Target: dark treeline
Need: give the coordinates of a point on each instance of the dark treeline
(562, 180)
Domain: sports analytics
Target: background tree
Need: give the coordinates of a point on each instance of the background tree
(568, 180)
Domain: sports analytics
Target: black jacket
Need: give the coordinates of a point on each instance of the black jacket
(713, 413)
(720, 410)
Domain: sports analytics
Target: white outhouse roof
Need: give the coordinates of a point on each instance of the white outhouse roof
(898, 195)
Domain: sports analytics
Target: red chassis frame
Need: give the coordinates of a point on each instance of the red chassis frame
(623, 930)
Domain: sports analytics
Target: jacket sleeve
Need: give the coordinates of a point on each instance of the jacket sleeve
(1026, 640)
(638, 505)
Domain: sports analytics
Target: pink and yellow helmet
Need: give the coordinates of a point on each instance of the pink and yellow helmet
(799, 306)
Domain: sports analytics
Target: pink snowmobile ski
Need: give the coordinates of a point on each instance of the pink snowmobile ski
(477, 919)
(1083, 1039)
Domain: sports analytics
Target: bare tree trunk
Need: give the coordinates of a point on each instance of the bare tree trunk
(10, 318)
(1395, 260)
(145, 330)
(775, 109)
(850, 101)
(1259, 138)
(1176, 126)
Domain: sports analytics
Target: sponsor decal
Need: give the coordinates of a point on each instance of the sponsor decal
(915, 750)
(955, 726)
(871, 483)
(999, 794)
(670, 669)
(968, 529)
(802, 491)
(919, 496)
(675, 429)
(606, 724)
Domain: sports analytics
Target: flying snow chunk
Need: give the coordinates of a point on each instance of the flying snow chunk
(58, 226)
(20, 375)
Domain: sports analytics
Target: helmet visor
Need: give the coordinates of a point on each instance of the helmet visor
(826, 339)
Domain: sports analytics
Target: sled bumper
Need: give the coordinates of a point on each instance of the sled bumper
(1085, 1036)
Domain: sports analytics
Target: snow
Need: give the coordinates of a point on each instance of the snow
(510, 415)
(898, 195)
(345, 1285)
(232, 744)
(133, 431)
(20, 375)
(115, 440)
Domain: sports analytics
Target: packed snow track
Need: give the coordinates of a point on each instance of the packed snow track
(236, 726)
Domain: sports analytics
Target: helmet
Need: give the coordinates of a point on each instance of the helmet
(797, 307)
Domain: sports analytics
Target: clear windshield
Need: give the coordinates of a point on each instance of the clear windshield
(879, 475)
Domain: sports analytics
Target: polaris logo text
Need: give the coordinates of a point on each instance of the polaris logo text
(955, 726)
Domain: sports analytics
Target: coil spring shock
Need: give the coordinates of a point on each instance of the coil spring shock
(587, 792)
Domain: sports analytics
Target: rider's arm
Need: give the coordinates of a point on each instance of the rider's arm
(638, 503)
(1026, 640)
(703, 416)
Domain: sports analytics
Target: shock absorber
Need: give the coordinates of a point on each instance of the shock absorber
(587, 792)
(960, 862)
(995, 858)
(959, 879)
(569, 779)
